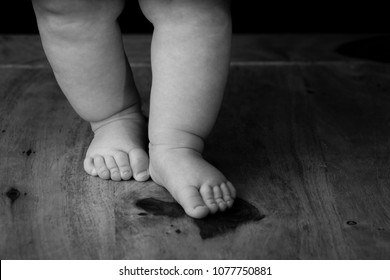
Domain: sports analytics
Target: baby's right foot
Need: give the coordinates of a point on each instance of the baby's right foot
(117, 150)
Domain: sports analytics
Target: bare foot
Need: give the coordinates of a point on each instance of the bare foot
(117, 149)
(195, 184)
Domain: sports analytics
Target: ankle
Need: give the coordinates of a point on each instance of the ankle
(171, 138)
(132, 112)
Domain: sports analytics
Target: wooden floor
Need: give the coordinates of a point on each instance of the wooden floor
(304, 134)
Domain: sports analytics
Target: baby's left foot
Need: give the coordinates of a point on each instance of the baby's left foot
(195, 184)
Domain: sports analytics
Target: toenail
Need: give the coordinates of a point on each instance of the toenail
(203, 206)
(142, 174)
(126, 172)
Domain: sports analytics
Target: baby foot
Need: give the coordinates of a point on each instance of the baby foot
(195, 184)
(116, 150)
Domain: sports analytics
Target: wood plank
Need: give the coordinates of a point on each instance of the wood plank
(352, 122)
(306, 145)
(276, 157)
(61, 213)
(292, 47)
(27, 50)
(274, 160)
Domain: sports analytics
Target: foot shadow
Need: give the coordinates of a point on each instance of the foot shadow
(211, 226)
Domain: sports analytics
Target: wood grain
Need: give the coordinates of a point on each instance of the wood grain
(306, 144)
(61, 213)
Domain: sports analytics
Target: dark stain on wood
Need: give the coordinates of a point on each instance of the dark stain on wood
(3, 131)
(28, 152)
(310, 91)
(374, 48)
(13, 194)
(223, 222)
(142, 214)
(211, 226)
(160, 208)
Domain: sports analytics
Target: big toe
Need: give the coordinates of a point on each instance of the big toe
(192, 202)
(139, 162)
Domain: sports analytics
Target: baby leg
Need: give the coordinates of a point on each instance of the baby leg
(83, 44)
(190, 63)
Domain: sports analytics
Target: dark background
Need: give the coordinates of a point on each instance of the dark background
(16, 16)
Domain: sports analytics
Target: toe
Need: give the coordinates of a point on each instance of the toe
(113, 167)
(208, 198)
(232, 190)
(218, 198)
(122, 160)
(101, 167)
(226, 195)
(190, 199)
(139, 162)
(89, 167)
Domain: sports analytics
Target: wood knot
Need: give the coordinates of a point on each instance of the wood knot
(13, 194)
(28, 152)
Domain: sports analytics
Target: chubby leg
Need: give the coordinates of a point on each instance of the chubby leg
(83, 44)
(190, 62)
